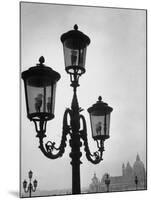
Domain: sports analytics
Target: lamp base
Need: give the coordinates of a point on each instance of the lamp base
(75, 72)
(74, 69)
(40, 116)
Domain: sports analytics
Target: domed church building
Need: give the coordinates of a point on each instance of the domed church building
(139, 169)
(124, 182)
(95, 186)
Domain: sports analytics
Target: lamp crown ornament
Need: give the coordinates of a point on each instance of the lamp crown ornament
(41, 60)
(99, 98)
(75, 27)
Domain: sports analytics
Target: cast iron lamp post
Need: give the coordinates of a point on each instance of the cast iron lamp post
(107, 182)
(136, 181)
(40, 85)
(31, 187)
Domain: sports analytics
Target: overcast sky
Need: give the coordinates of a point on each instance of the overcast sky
(115, 69)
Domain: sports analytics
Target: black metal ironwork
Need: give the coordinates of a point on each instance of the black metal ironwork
(77, 135)
(100, 109)
(107, 182)
(31, 186)
(75, 43)
(39, 78)
(74, 125)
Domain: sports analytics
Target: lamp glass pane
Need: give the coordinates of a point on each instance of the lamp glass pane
(39, 99)
(74, 54)
(100, 125)
(97, 123)
(54, 97)
(107, 124)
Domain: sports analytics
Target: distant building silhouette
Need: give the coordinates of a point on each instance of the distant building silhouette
(124, 182)
(95, 186)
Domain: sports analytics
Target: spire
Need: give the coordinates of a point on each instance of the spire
(128, 164)
(94, 177)
(95, 180)
(123, 169)
(137, 157)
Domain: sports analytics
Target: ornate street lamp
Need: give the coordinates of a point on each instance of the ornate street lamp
(136, 181)
(31, 187)
(107, 182)
(40, 83)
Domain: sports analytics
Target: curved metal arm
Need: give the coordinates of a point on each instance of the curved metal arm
(50, 146)
(96, 157)
(26, 189)
(29, 188)
(33, 189)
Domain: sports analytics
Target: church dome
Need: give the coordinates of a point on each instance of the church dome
(95, 179)
(138, 163)
(104, 177)
(138, 166)
(128, 170)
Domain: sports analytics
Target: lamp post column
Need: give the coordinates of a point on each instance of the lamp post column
(75, 145)
(30, 187)
(107, 187)
(136, 182)
(30, 174)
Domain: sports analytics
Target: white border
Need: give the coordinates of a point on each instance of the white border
(9, 98)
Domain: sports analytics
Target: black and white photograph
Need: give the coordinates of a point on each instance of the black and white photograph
(83, 99)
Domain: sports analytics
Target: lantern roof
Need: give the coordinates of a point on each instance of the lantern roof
(100, 108)
(41, 70)
(75, 34)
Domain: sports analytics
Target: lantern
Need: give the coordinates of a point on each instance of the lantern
(24, 184)
(30, 174)
(100, 119)
(40, 86)
(35, 183)
(75, 44)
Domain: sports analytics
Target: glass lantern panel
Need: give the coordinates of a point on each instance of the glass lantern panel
(74, 54)
(39, 99)
(107, 124)
(97, 123)
(54, 97)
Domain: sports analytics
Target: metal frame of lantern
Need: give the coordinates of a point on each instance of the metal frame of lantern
(74, 44)
(74, 123)
(100, 112)
(31, 187)
(40, 76)
(40, 103)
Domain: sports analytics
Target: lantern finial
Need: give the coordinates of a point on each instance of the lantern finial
(100, 98)
(41, 60)
(75, 27)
